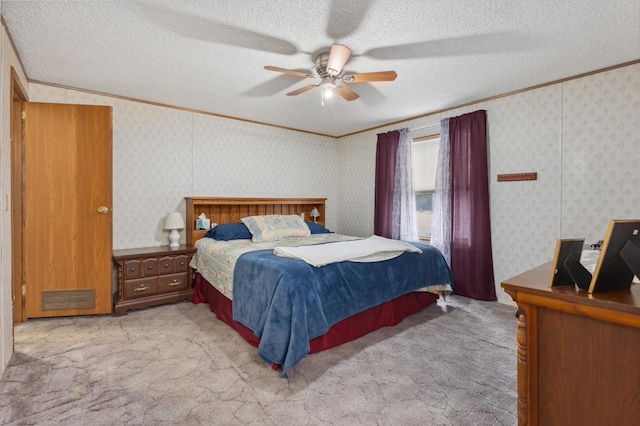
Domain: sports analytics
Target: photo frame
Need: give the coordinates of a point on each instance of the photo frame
(619, 258)
(566, 249)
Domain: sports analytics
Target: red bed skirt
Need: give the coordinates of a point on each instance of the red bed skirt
(388, 314)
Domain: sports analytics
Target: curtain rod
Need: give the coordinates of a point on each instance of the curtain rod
(424, 127)
(434, 127)
(431, 130)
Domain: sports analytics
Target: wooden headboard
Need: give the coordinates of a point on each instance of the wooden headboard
(231, 210)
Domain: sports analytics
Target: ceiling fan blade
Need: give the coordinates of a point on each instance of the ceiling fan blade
(347, 93)
(369, 77)
(346, 16)
(286, 71)
(209, 30)
(499, 42)
(272, 87)
(302, 89)
(337, 58)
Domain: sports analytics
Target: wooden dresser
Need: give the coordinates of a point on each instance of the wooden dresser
(578, 354)
(152, 276)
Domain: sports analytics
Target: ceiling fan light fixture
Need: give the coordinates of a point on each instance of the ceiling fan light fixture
(328, 90)
(329, 82)
(326, 94)
(337, 58)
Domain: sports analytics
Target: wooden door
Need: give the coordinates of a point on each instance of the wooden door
(67, 209)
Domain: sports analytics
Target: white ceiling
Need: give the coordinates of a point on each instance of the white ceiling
(209, 55)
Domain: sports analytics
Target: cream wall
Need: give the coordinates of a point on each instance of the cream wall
(600, 151)
(161, 155)
(580, 136)
(8, 59)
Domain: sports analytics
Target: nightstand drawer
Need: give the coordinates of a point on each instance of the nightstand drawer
(140, 288)
(182, 262)
(166, 265)
(132, 269)
(174, 282)
(149, 267)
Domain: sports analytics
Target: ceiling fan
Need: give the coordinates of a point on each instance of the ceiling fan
(329, 66)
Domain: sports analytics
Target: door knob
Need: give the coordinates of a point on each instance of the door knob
(103, 209)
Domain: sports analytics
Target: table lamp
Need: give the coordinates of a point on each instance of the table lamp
(173, 222)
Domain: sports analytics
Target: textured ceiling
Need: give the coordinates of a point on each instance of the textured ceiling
(209, 55)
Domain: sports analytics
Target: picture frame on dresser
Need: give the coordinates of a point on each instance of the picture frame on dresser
(619, 259)
(568, 251)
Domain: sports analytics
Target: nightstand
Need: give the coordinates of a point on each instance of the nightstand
(152, 276)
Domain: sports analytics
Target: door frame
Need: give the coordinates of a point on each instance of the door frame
(18, 98)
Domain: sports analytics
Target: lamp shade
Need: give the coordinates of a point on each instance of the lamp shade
(338, 56)
(174, 221)
(315, 213)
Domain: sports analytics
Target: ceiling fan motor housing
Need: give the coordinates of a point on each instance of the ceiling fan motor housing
(321, 64)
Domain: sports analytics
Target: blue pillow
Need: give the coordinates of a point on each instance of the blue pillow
(316, 228)
(229, 231)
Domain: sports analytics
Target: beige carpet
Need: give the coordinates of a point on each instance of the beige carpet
(452, 364)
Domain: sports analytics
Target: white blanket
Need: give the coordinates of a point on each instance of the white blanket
(372, 249)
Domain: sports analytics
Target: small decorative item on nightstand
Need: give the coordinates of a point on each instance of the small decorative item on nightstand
(315, 214)
(173, 222)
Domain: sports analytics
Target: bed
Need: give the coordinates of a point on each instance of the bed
(287, 307)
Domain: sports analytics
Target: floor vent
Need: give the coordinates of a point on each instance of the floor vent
(55, 300)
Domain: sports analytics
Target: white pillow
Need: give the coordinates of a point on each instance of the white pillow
(275, 227)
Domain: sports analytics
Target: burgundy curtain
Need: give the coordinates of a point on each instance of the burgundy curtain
(471, 258)
(386, 150)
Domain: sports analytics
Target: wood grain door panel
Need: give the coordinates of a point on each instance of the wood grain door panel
(67, 177)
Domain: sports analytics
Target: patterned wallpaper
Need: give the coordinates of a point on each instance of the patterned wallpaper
(579, 136)
(524, 133)
(232, 157)
(600, 152)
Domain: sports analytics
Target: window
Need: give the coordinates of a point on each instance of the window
(424, 155)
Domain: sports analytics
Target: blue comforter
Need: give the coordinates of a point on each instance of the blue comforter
(287, 302)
